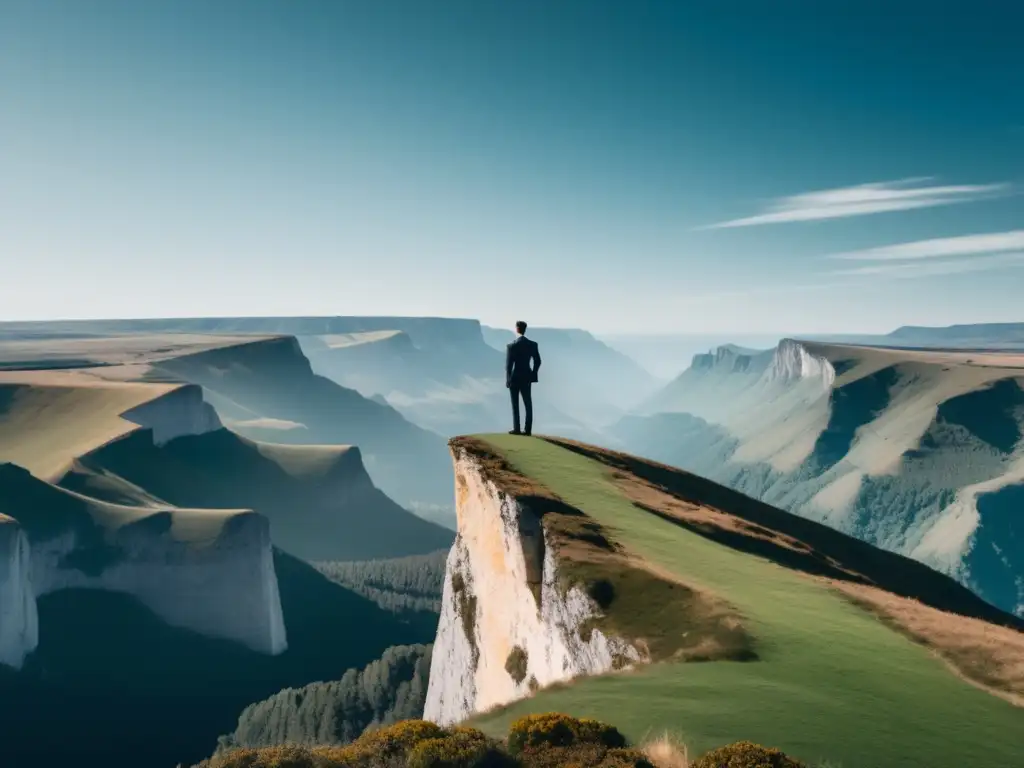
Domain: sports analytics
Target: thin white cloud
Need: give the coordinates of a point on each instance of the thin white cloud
(863, 199)
(927, 268)
(993, 242)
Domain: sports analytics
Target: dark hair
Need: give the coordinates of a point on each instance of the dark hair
(521, 326)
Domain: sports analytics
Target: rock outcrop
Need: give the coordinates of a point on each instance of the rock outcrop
(508, 622)
(209, 571)
(793, 361)
(19, 623)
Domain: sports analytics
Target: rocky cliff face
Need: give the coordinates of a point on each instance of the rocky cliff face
(209, 571)
(182, 411)
(19, 624)
(224, 587)
(507, 624)
(792, 361)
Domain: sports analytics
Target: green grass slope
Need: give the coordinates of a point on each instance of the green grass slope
(831, 682)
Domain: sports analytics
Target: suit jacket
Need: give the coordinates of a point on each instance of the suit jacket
(518, 355)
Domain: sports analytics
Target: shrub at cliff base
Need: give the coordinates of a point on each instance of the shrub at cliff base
(557, 741)
(744, 754)
(460, 748)
(536, 741)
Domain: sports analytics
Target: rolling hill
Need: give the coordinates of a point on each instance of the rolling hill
(601, 585)
(916, 451)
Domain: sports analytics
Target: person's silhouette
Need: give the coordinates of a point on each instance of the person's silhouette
(519, 377)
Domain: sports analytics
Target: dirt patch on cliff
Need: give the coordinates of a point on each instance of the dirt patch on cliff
(659, 615)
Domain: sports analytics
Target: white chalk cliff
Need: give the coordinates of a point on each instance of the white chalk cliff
(224, 587)
(19, 622)
(792, 361)
(494, 642)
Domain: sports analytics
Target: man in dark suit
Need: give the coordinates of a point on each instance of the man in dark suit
(519, 377)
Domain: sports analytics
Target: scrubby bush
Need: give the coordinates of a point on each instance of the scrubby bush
(557, 741)
(582, 756)
(384, 745)
(549, 740)
(516, 664)
(557, 730)
(272, 757)
(744, 754)
(460, 748)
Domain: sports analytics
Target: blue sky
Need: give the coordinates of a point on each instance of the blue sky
(625, 167)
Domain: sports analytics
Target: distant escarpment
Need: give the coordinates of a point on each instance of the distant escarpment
(917, 451)
(267, 390)
(319, 500)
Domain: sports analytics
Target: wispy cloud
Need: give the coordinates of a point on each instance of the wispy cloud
(863, 199)
(993, 242)
(948, 267)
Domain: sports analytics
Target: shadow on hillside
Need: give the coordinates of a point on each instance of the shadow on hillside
(818, 550)
(853, 406)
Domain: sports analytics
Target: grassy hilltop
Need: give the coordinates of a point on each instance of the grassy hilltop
(860, 657)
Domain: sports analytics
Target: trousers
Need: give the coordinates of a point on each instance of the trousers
(521, 389)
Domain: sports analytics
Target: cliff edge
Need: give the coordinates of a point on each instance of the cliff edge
(537, 592)
(664, 598)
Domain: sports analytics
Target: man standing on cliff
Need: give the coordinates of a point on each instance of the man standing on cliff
(519, 377)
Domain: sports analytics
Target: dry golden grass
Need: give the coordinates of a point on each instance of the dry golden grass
(988, 656)
(666, 751)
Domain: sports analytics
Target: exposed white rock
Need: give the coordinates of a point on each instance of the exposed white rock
(500, 559)
(225, 587)
(792, 362)
(206, 570)
(182, 411)
(19, 622)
